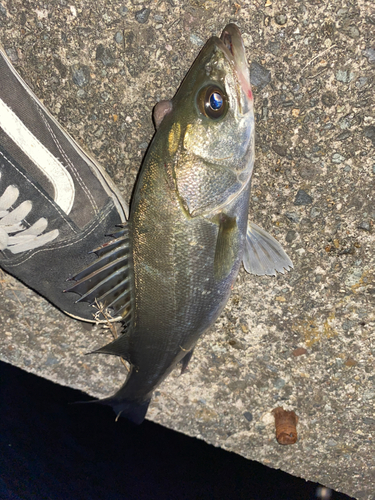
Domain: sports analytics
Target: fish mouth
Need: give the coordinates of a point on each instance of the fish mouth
(234, 48)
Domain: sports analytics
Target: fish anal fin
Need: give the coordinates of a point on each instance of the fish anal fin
(227, 246)
(263, 255)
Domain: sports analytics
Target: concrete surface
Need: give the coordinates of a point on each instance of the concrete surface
(304, 341)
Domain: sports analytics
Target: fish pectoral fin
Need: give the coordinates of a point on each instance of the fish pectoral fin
(227, 246)
(185, 361)
(108, 280)
(263, 255)
(119, 347)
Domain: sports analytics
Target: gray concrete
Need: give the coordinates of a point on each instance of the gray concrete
(100, 71)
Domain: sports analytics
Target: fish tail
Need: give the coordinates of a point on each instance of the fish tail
(133, 410)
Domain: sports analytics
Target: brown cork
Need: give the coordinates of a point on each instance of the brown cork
(300, 351)
(285, 422)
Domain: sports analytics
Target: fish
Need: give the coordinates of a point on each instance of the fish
(168, 271)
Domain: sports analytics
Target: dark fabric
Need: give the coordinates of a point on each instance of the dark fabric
(46, 269)
(95, 209)
(90, 192)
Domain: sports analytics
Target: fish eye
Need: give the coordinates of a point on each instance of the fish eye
(216, 101)
(212, 102)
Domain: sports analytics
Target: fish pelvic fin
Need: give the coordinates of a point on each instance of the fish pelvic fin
(263, 255)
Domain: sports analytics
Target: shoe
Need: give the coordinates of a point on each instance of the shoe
(56, 203)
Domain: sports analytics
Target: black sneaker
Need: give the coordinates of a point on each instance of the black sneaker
(56, 203)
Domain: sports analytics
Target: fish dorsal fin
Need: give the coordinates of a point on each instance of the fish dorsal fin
(118, 347)
(108, 281)
(263, 255)
(186, 360)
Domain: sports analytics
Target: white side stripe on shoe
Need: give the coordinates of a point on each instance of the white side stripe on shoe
(23, 238)
(55, 171)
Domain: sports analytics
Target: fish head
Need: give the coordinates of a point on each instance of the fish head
(210, 127)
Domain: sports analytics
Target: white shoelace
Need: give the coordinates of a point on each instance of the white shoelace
(14, 234)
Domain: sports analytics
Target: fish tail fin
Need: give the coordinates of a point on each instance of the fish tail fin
(135, 411)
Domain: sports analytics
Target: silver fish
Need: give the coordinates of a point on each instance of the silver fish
(169, 271)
